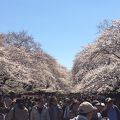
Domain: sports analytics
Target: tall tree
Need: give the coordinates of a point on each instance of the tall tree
(20, 40)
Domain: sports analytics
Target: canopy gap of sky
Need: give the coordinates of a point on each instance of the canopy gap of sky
(62, 27)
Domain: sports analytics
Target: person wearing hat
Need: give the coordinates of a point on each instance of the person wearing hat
(111, 111)
(100, 106)
(97, 114)
(86, 111)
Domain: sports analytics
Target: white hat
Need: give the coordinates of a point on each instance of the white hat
(86, 107)
(100, 104)
(108, 100)
(103, 104)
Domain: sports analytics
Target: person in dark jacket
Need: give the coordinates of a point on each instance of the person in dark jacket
(18, 112)
(55, 110)
(39, 111)
(111, 111)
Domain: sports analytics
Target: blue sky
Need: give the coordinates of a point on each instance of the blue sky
(62, 27)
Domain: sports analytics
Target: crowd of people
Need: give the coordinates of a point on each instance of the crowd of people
(50, 107)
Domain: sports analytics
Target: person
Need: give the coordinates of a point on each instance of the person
(55, 110)
(86, 110)
(73, 111)
(111, 111)
(18, 112)
(97, 114)
(67, 105)
(39, 111)
(2, 109)
(2, 115)
(7, 102)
